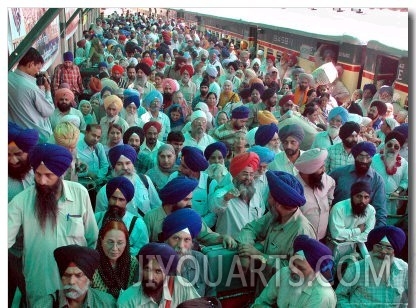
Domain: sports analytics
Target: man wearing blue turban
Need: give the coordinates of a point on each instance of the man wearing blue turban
(345, 176)
(303, 283)
(380, 280)
(122, 158)
(52, 213)
(178, 231)
(278, 228)
(20, 176)
(119, 192)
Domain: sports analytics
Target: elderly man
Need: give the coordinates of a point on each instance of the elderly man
(382, 279)
(193, 163)
(112, 106)
(198, 137)
(52, 213)
(70, 74)
(339, 154)
(278, 228)
(239, 203)
(122, 159)
(20, 176)
(393, 169)
(132, 108)
(260, 180)
(377, 113)
(178, 230)
(165, 166)
(336, 118)
(186, 85)
(318, 188)
(345, 176)
(291, 137)
(63, 100)
(30, 105)
(286, 109)
(303, 282)
(238, 121)
(352, 219)
(76, 266)
(160, 284)
(141, 83)
(153, 102)
(152, 132)
(120, 191)
(267, 136)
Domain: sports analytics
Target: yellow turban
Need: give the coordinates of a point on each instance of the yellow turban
(113, 99)
(266, 117)
(66, 134)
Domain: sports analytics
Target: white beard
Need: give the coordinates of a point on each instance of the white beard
(390, 159)
(131, 119)
(333, 132)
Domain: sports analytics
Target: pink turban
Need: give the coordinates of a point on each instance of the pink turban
(170, 82)
(311, 160)
(64, 93)
(239, 162)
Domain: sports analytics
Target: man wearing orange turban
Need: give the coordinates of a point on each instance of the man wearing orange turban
(112, 106)
(240, 202)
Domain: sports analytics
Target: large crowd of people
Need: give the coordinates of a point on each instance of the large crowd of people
(183, 140)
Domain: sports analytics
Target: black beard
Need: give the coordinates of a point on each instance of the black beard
(203, 93)
(64, 107)
(290, 152)
(46, 203)
(315, 180)
(358, 209)
(349, 144)
(150, 288)
(361, 168)
(167, 97)
(114, 211)
(175, 207)
(371, 116)
(20, 172)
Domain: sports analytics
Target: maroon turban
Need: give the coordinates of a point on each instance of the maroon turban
(155, 124)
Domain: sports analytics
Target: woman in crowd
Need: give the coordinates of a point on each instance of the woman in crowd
(115, 137)
(87, 111)
(160, 173)
(175, 114)
(118, 270)
(227, 95)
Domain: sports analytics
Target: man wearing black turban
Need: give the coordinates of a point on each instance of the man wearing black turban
(361, 170)
(76, 266)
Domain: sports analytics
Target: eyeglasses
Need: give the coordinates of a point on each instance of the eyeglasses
(380, 247)
(391, 145)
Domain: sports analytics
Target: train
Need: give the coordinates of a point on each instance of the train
(368, 47)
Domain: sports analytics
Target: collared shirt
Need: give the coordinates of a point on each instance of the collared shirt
(94, 298)
(160, 178)
(400, 178)
(201, 144)
(135, 296)
(318, 293)
(29, 106)
(318, 203)
(282, 163)
(346, 176)
(75, 224)
(235, 213)
(16, 186)
(324, 141)
(337, 157)
(146, 89)
(144, 199)
(343, 224)
(57, 116)
(138, 237)
(359, 288)
(70, 75)
(144, 149)
(188, 90)
(202, 197)
(162, 119)
(95, 158)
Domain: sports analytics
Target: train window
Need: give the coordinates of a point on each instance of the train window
(386, 69)
(327, 53)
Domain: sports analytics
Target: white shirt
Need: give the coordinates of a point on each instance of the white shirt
(282, 163)
(202, 144)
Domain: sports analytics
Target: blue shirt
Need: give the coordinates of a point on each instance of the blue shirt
(346, 176)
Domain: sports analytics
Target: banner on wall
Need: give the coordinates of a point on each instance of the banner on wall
(22, 20)
(72, 27)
